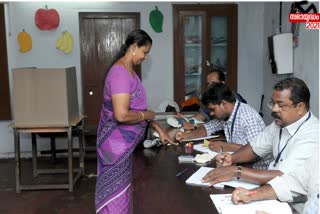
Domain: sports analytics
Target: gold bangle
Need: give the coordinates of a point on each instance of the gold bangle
(142, 115)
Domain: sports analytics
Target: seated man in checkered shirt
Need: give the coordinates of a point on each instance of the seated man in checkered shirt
(239, 121)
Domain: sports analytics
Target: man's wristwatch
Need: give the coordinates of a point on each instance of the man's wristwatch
(239, 171)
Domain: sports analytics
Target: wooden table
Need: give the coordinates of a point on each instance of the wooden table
(69, 129)
(156, 189)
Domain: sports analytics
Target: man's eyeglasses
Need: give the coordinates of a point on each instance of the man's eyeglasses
(272, 105)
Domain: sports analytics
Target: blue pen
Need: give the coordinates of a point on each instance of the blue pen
(183, 171)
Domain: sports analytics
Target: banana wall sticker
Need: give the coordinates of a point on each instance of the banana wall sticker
(65, 42)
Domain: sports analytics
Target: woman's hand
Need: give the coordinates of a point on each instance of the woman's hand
(149, 115)
(179, 136)
(166, 139)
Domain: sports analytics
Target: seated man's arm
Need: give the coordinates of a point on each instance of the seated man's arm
(227, 147)
(243, 155)
(251, 175)
(200, 132)
(265, 192)
(303, 180)
(207, 129)
(200, 116)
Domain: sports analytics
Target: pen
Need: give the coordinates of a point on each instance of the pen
(183, 171)
(183, 117)
(221, 153)
(248, 193)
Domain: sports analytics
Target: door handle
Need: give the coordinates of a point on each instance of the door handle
(90, 92)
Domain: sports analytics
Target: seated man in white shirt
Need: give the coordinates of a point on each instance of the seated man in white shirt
(291, 138)
(295, 186)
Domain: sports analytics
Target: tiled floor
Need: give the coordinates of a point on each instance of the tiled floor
(81, 201)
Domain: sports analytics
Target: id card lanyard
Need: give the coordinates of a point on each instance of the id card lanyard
(233, 120)
(280, 134)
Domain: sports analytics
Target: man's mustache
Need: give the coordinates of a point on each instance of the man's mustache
(275, 116)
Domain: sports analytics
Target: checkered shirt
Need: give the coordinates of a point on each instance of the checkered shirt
(247, 125)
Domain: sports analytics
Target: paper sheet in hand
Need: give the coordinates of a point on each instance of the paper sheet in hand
(196, 178)
(200, 148)
(224, 205)
(200, 138)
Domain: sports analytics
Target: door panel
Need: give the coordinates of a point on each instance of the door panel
(101, 36)
(192, 55)
(5, 111)
(218, 43)
(195, 55)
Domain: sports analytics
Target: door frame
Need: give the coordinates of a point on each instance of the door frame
(100, 15)
(207, 10)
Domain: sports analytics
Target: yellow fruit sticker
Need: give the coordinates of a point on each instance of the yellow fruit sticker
(205, 143)
(65, 42)
(24, 41)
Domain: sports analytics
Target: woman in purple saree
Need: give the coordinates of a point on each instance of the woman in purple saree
(122, 125)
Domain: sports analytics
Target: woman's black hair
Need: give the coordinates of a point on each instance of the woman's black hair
(139, 37)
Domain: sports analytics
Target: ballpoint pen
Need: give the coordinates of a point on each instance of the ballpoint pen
(221, 153)
(183, 171)
(248, 193)
(184, 117)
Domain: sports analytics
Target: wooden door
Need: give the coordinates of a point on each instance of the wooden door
(199, 44)
(101, 36)
(5, 112)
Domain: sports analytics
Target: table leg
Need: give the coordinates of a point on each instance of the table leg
(81, 150)
(53, 148)
(17, 157)
(34, 154)
(70, 159)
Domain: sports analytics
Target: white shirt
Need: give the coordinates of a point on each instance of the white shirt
(299, 147)
(304, 180)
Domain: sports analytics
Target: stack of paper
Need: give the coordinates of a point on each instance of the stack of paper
(200, 138)
(176, 122)
(196, 180)
(224, 205)
(200, 148)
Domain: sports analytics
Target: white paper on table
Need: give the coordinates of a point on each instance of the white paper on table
(224, 205)
(200, 138)
(200, 148)
(196, 180)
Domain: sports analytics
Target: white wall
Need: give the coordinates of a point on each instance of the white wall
(250, 56)
(20, 15)
(306, 56)
(254, 75)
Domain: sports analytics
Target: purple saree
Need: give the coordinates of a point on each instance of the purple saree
(116, 142)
